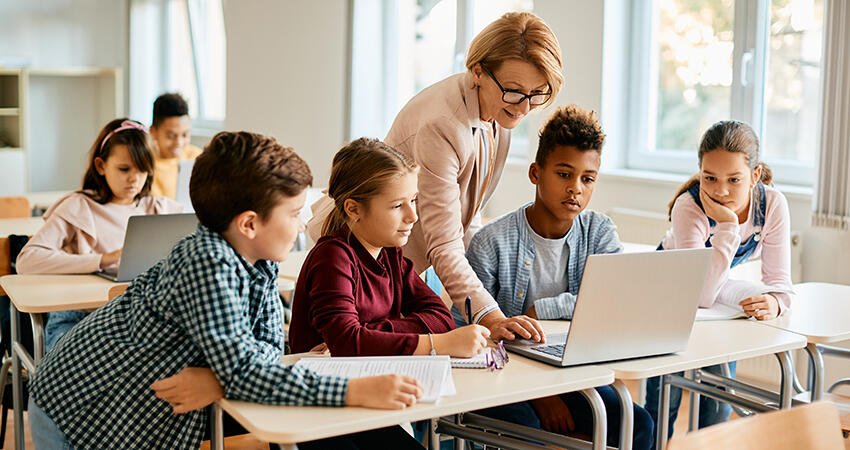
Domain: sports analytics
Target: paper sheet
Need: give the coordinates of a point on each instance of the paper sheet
(432, 372)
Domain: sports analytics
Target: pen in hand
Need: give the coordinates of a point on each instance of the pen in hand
(469, 310)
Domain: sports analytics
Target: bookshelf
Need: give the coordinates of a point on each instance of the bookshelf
(48, 120)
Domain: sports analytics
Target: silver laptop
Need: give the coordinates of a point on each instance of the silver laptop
(629, 305)
(184, 174)
(149, 239)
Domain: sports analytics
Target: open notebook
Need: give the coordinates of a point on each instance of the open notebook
(434, 373)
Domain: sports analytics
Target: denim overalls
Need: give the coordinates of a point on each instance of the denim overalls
(710, 411)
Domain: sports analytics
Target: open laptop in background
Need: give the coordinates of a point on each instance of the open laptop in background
(629, 305)
(149, 239)
(184, 174)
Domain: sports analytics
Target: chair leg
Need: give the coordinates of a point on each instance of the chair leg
(3, 425)
(4, 379)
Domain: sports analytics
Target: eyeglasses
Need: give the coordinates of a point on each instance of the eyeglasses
(497, 357)
(515, 97)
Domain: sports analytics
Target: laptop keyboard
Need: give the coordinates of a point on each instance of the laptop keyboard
(554, 349)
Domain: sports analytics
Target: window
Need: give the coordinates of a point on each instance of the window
(401, 47)
(179, 45)
(697, 62)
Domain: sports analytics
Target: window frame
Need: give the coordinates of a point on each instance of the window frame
(747, 93)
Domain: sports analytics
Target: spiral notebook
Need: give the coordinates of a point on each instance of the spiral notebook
(478, 361)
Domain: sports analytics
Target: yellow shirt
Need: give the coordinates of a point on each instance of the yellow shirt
(165, 172)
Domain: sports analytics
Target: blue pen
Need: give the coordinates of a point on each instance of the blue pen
(469, 308)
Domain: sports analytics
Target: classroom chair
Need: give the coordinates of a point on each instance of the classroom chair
(14, 207)
(814, 426)
(9, 249)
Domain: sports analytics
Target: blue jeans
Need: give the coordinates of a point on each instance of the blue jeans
(45, 433)
(524, 414)
(58, 323)
(711, 411)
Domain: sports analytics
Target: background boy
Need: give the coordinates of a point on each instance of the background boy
(171, 130)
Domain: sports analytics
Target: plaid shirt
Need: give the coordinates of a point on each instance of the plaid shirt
(203, 305)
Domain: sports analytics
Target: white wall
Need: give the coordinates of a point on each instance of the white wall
(286, 74)
(59, 33)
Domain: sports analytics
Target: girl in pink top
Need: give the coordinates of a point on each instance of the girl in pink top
(731, 207)
(84, 231)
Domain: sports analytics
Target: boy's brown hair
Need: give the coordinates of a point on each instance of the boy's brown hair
(570, 126)
(242, 171)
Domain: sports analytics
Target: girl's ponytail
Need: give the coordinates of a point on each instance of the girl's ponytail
(359, 172)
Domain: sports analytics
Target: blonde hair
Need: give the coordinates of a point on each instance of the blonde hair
(731, 136)
(522, 36)
(360, 171)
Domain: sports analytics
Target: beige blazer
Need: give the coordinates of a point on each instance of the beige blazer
(440, 128)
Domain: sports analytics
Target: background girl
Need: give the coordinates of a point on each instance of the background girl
(84, 231)
(731, 206)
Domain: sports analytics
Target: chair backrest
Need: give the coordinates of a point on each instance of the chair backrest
(814, 426)
(14, 207)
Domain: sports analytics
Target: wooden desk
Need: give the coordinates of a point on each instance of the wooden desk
(521, 379)
(710, 343)
(821, 313)
(37, 295)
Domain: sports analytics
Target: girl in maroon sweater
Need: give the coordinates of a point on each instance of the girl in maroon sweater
(356, 292)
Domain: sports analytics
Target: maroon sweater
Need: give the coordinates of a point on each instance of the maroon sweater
(360, 306)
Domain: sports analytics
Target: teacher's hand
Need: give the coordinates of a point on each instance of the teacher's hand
(510, 328)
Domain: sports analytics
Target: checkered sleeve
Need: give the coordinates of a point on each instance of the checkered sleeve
(214, 295)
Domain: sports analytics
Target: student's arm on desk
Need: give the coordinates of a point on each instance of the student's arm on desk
(44, 252)
(209, 303)
(210, 309)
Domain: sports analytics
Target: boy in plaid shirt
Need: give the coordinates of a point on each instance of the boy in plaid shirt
(208, 313)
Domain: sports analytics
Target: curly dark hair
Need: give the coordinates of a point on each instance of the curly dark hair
(570, 126)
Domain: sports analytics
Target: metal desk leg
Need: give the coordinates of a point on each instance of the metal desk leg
(663, 413)
(627, 415)
(786, 381)
(460, 443)
(17, 382)
(216, 428)
(433, 437)
(600, 421)
(693, 407)
(817, 371)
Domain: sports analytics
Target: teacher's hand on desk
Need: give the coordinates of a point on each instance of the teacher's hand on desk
(509, 328)
(383, 392)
